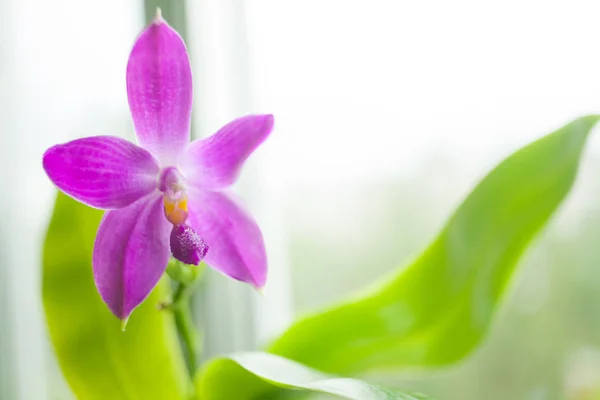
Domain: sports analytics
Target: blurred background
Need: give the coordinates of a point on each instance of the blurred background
(387, 114)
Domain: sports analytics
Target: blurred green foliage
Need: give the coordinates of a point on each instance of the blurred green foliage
(435, 312)
(546, 342)
(98, 360)
(256, 374)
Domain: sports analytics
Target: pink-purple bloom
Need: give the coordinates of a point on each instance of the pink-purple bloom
(165, 196)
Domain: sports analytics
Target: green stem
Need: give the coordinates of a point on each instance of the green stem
(185, 325)
(187, 277)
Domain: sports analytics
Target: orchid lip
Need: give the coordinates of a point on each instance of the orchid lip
(186, 245)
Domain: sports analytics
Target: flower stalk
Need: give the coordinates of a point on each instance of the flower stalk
(187, 278)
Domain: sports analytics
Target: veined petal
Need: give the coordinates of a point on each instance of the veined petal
(236, 246)
(102, 171)
(159, 88)
(131, 253)
(215, 162)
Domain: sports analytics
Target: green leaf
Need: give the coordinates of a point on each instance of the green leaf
(435, 311)
(245, 376)
(98, 360)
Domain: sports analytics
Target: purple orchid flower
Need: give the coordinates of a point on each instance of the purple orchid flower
(165, 196)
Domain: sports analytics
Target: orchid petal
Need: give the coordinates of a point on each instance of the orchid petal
(236, 246)
(215, 162)
(159, 88)
(131, 254)
(102, 171)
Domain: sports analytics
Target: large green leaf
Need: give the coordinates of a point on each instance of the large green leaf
(437, 310)
(246, 376)
(98, 360)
